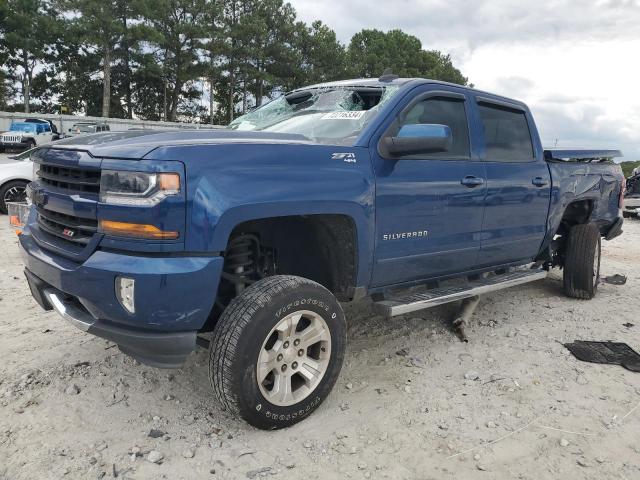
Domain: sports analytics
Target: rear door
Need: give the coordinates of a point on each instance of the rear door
(429, 207)
(518, 184)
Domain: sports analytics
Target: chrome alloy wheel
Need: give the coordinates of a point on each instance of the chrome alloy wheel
(15, 194)
(293, 358)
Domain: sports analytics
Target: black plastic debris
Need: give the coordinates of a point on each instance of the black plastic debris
(628, 325)
(612, 353)
(616, 279)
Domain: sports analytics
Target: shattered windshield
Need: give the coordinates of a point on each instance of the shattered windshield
(331, 115)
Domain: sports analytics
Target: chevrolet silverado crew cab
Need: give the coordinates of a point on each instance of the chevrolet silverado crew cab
(253, 235)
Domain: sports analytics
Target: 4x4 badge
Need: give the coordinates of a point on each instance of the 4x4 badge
(347, 157)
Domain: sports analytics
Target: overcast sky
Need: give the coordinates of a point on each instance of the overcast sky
(576, 63)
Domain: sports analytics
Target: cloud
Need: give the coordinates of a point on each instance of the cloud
(573, 61)
(475, 23)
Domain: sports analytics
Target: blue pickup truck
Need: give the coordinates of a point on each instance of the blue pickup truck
(246, 239)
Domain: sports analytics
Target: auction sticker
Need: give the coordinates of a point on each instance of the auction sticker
(342, 115)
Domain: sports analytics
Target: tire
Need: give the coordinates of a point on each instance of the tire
(10, 189)
(30, 144)
(245, 333)
(582, 262)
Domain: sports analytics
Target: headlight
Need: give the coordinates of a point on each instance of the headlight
(137, 188)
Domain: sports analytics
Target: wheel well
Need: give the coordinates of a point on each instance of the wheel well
(15, 180)
(321, 248)
(2, 185)
(576, 213)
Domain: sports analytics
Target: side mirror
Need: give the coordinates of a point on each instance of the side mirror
(420, 138)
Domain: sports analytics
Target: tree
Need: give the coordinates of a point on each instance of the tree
(26, 31)
(175, 29)
(127, 51)
(321, 58)
(99, 24)
(153, 58)
(371, 52)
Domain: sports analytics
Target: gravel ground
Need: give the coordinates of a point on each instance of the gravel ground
(412, 401)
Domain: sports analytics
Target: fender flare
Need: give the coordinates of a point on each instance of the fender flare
(231, 218)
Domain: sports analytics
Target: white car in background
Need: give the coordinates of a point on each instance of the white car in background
(15, 173)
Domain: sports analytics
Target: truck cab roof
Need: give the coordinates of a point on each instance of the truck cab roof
(138, 143)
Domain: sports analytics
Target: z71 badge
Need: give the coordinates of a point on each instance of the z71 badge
(347, 157)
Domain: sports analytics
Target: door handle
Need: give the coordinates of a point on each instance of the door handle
(471, 181)
(539, 182)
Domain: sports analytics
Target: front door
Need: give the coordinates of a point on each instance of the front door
(429, 207)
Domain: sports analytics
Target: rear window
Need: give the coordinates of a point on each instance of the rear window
(506, 134)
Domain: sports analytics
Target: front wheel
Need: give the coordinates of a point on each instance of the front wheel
(277, 350)
(582, 262)
(14, 191)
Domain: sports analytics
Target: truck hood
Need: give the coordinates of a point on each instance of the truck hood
(135, 144)
(13, 134)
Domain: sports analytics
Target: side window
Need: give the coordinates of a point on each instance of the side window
(443, 111)
(39, 128)
(507, 135)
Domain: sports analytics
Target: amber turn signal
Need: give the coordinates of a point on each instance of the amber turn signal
(136, 230)
(169, 182)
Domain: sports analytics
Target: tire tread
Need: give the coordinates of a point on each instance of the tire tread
(578, 265)
(225, 343)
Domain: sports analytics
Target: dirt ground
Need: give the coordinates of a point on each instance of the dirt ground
(412, 401)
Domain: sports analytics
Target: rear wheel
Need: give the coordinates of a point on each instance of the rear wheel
(277, 350)
(582, 262)
(14, 191)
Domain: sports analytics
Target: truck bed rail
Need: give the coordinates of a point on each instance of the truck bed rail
(595, 156)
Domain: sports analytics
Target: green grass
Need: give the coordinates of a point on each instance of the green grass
(627, 167)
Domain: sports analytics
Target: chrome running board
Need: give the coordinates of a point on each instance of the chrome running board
(439, 296)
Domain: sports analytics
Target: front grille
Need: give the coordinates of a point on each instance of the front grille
(11, 139)
(68, 178)
(67, 227)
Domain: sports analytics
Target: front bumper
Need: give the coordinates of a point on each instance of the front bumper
(23, 144)
(173, 297)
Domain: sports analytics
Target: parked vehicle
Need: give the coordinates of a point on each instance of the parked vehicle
(15, 174)
(27, 134)
(632, 199)
(327, 194)
(85, 128)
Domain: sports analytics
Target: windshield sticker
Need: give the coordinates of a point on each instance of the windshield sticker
(342, 115)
